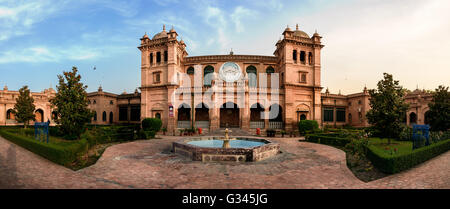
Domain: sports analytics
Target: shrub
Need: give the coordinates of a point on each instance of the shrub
(328, 139)
(151, 124)
(307, 125)
(146, 134)
(396, 163)
(405, 134)
(61, 154)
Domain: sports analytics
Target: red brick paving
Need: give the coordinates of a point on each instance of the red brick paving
(150, 164)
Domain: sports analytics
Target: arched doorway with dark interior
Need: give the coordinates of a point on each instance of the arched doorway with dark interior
(229, 115)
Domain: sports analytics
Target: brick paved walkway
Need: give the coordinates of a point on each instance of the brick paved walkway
(150, 164)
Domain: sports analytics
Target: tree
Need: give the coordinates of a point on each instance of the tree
(439, 113)
(71, 105)
(24, 107)
(388, 108)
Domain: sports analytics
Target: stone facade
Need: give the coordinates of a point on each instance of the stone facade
(43, 111)
(267, 92)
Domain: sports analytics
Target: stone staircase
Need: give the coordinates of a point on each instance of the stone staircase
(234, 132)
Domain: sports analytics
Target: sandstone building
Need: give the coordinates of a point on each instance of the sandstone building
(217, 91)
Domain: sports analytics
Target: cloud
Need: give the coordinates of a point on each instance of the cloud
(40, 54)
(238, 14)
(18, 17)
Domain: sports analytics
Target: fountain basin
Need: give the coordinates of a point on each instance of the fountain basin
(209, 149)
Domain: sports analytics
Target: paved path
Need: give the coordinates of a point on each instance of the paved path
(150, 164)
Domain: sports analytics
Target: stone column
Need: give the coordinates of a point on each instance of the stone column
(246, 116)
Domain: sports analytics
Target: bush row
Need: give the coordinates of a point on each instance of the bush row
(62, 155)
(394, 164)
(328, 139)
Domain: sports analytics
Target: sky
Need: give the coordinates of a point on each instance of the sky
(40, 39)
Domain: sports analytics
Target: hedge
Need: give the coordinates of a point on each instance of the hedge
(62, 155)
(307, 125)
(151, 124)
(328, 140)
(396, 163)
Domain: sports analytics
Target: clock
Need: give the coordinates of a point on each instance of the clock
(230, 72)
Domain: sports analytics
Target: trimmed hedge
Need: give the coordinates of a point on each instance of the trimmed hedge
(62, 155)
(396, 163)
(151, 124)
(328, 140)
(307, 126)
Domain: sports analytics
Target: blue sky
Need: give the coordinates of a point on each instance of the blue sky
(363, 39)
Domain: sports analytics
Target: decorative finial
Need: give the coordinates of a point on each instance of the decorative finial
(231, 52)
(164, 27)
(339, 92)
(296, 27)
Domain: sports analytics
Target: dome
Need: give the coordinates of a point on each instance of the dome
(300, 33)
(162, 34)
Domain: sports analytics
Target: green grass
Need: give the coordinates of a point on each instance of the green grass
(403, 147)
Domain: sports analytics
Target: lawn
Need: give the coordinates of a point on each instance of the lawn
(394, 148)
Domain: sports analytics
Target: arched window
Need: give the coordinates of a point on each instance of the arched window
(95, 102)
(294, 55)
(104, 116)
(350, 120)
(302, 56)
(158, 115)
(158, 57)
(166, 56)
(111, 102)
(252, 79)
(151, 58)
(207, 75)
(270, 70)
(310, 58)
(111, 117)
(190, 71)
(95, 116)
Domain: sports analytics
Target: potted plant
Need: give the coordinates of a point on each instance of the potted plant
(164, 130)
(181, 132)
(270, 133)
(282, 132)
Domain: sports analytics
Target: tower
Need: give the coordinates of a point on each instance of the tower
(298, 56)
(161, 59)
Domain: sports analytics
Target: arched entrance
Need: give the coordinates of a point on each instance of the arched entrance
(111, 118)
(303, 116)
(275, 117)
(10, 115)
(184, 116)
(427, 117)
(39, 116)
(229, 115)
(302, 112)
(412, 118)
(201, 116)
(256, 121)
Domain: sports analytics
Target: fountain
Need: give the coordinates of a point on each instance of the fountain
(217, 149)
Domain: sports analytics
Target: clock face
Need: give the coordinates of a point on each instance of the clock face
(230, 72)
